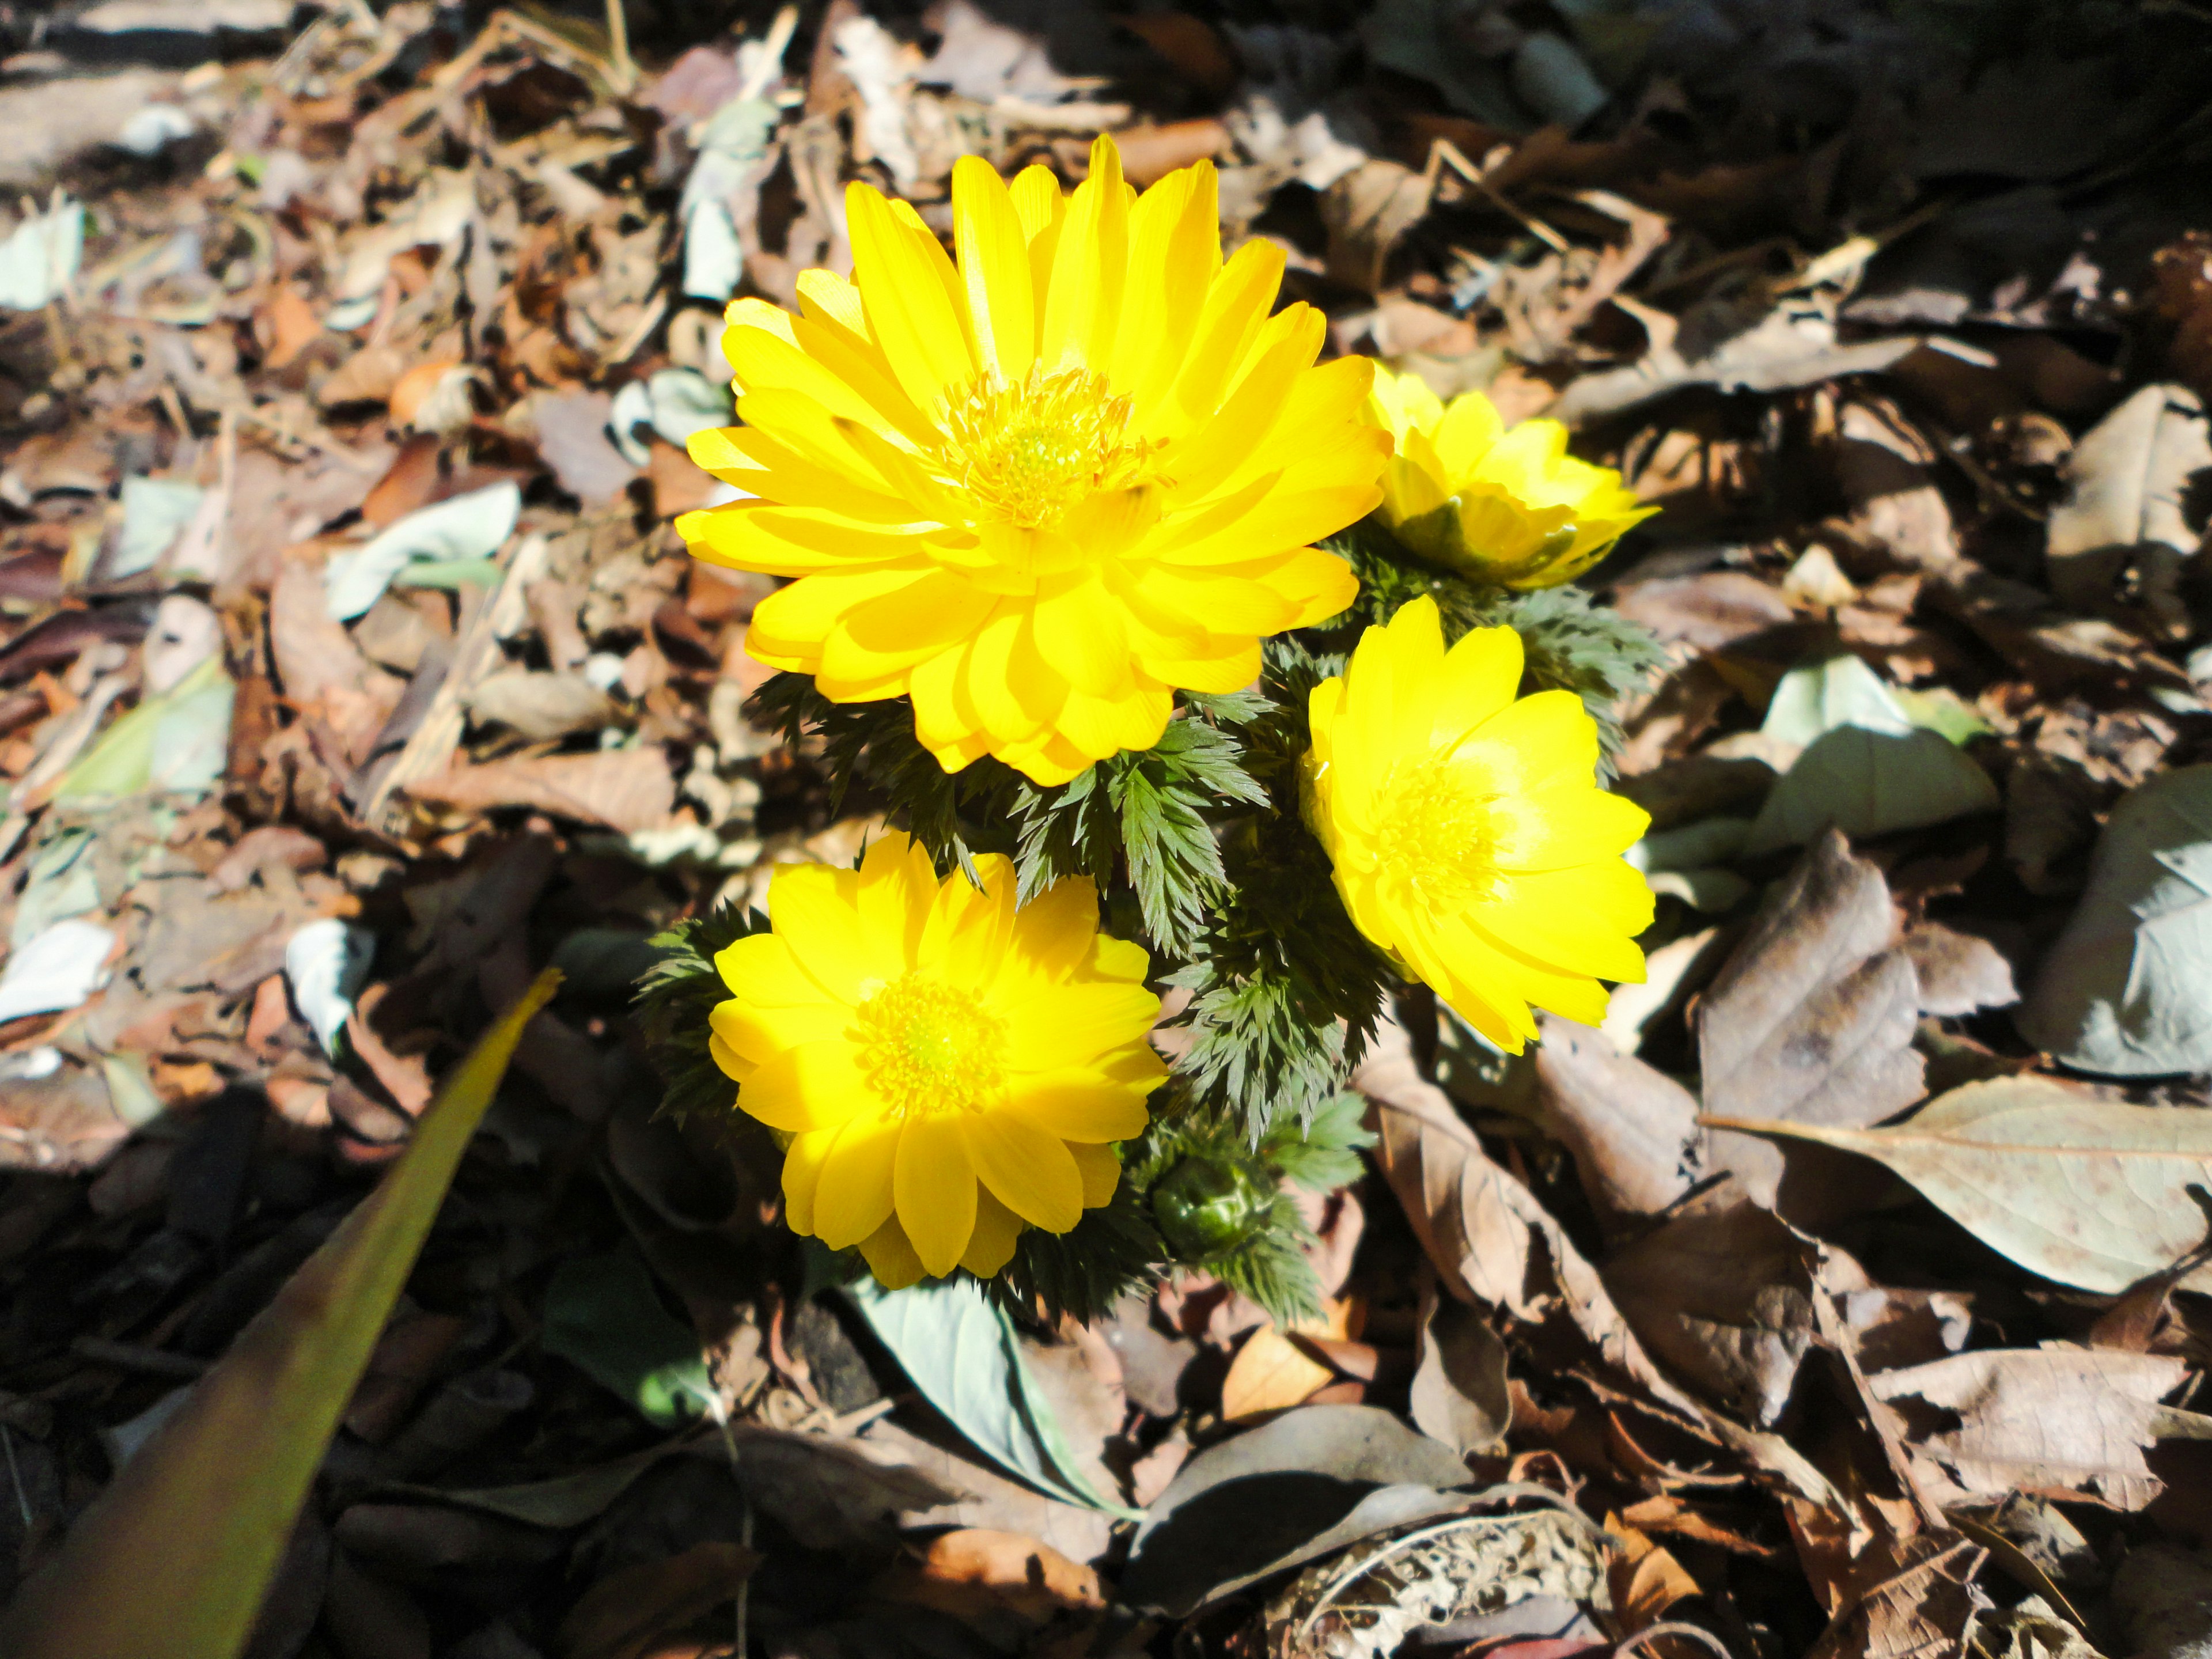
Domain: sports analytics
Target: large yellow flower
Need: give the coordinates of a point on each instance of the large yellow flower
(949, 1068)
(1469, 835)
(1507, 504)
(1040, 489)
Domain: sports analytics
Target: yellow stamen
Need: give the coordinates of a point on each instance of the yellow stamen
(1030, 452)
(930, 1049)
(1437, 831)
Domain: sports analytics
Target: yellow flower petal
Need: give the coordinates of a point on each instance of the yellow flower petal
(812, 1087)
(810, 908)
(1100, 1168)
(1078, 1107)
(890, 1257)
(1059, 1024)
(1030, 1171)
(992, 1244)
(934, 1184)
(994, 265)
(911, 314)
(853, 1197)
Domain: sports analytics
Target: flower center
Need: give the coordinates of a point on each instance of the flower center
(930, 1049)
(1436, 832)
(1028, 452)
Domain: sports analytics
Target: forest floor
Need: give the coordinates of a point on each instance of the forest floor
(1902, 315)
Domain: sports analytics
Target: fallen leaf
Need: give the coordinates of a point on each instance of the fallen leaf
(1870, 783)
(622, 1615)
(961, 1350)
(1001, 1583)
(2121, 990)
(1722, 1293)
(1811, 1019)
(624, 789)
(1646, 1578)
(2128, 509)
(2072, 1182)
(572, 436)
(1491, 1243)
(459, 529)
(603, 1316)
(1632, 1129)
(1957, 972)
(1926, 1606)
(1884, 471)
(2058, 1420)
(1708, 612)
(1304, 1486)
(1458, 1392)
(1788, 346)
(1271, 1373)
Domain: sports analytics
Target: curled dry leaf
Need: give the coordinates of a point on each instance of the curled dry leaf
(2071, 1182)
(2127, 510)
(623, 1615)
(623, 789)
(1493, 1243)
(1722, 1293)
(1632, 1129)
(1812, 1018)
(1459, 1394)
(2063, 1421)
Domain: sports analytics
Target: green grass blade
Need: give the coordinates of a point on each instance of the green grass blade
(175, 1555)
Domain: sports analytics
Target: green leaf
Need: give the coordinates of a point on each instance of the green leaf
(1869, 783)
(1325, 1154)
(1819, 698)
(173, 1558)
(960, 1349)
(2122, 990)
(604, 1316)
(176, 742)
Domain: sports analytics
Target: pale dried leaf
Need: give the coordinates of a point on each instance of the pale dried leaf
(2059, 1420)
(2071, 1182)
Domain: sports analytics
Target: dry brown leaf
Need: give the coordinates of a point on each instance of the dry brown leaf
(1812, 1018)
(1709, 611)
(995, 1581)
(2072, 1182)
(1271, 1373)
(2057, 1420)
(1459, 1394)
(1366, 211)
(623, 1615)
(1493, 1243)
(624, 789)
(1884, 469)
(2128, 511)
(1632, 1129)
(1959, 972)
(1646, 1578)
(1722, 1293)
(1919, 1610)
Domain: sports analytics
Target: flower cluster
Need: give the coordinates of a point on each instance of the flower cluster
(1055, 491)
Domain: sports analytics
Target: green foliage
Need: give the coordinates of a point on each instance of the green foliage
(1325, 1156)
(673, 1000)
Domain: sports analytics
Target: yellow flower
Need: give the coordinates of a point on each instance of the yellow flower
(949, 1068)
(1507, 504)
(1469, 835)
(1038, 490)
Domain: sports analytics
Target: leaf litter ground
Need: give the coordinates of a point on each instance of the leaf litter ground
(351, 673)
